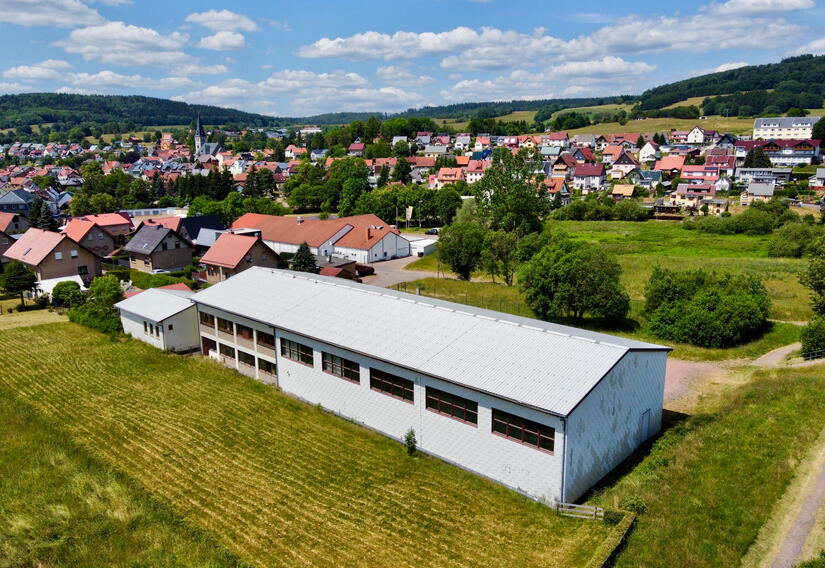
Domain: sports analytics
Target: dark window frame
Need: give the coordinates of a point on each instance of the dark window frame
(341, 367)
(297, 352)
(392, 385)
(263, 363)
(451, 405)
(240, 330)
(231, 329)
(209, 319)
(250, 356)
(520, 430)
(222, 346)
(258, 335)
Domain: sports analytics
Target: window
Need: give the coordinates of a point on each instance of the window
(244, 331)
(157, 331)
(207, 319)
(146, 262)
(170, 328)
(163, 246)
(340, 367)
(91, 237)
(267, 366)
(246, 358)
(522, 430)
(297, 352)
(392, 385)
(100, 236)
(266, 339)
(226, 351)
(145, 328)
(58, 255)
(83, 270)
(248, 258)
(451, 405)
(224, 325)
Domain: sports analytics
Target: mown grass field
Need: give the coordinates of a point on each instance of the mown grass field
(733, 125)
(712, 481)
(277, 482)
(61, 507)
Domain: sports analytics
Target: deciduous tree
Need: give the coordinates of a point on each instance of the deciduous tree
(460, 247)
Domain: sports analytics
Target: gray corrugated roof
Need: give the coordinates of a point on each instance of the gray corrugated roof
(155, 304)
(540, 364)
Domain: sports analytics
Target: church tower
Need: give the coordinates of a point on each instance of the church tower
(200, 136)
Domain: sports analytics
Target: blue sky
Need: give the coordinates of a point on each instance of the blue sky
(301, 58)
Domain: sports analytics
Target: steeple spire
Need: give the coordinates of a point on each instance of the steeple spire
(200, 136)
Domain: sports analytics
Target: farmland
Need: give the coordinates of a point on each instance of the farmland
(275, 481)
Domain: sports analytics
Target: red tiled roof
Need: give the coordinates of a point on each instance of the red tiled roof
(589, 170)
(77, 229)
(330, 271)
(168, 222)
(670, 163)
(34, 246)
(229, 249)
(109, 219)
(5, 220)
(177, 286)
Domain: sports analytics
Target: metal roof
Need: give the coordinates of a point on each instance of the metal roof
(539, 364)
(156, 304)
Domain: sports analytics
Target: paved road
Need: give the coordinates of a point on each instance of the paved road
(392, 272)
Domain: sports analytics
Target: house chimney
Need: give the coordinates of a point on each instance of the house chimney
(300, 219)
(369, 233)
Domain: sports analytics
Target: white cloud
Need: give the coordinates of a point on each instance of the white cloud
(67, 90)
(10, 88)
(815, 47)
(750, 7)
(197, 69)
(731, 65)
(111, 2)
(606, 67)
(111, 79)
(45, 70)
(290, 80)
(122, 44)
(52, 13)
(401, 75)
(223, 21)
(223, 41)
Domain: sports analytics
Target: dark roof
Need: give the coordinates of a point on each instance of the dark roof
(191, 226)
(17, 196)
(148, 238)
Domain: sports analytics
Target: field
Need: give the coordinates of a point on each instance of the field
(712, 481)
(732, 125)
(275, 481)
(596, 109)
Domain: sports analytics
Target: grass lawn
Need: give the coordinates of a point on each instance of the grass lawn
(712, 481)
(723, 124)
(276, 481)
(60, 507)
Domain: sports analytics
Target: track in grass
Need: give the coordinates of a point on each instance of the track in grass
(276, 481)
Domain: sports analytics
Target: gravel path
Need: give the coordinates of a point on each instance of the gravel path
(777, 356)
(390, 272)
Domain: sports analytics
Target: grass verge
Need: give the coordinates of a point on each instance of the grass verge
(60, 507)
(278, 482)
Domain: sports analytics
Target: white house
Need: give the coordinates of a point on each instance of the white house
(166, 319)
(545, 409)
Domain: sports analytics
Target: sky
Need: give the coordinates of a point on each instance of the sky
(302, 58)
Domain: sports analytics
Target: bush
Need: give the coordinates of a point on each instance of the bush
(96, 317)
(145, 280)
(410, 441)
(813, 339)
(67, 294)
(759, 219)
(634, 504)
(793, 239)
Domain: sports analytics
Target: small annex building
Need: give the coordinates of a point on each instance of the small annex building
(545, 409)
(164, 318)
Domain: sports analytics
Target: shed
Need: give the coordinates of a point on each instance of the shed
(164, 318)
(423, 247)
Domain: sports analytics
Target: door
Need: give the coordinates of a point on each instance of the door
(644, 426)
(208, 344)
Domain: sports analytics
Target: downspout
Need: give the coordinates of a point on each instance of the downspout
(564, 460)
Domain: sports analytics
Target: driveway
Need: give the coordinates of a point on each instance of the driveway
(391, 272)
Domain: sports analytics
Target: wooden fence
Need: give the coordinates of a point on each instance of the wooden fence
(579, 511)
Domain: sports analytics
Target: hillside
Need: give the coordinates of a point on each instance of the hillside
(42, 108)
(796, 81)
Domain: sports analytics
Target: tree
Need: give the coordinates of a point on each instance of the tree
(103, 203)
(67, 294)
(402, 171)
(99, 312)
(502, 254)
(818, 132)
(106, 291)
(813, 339)
(640, 141)
(446, 203)
(814, 276)
(384, 176)
(575, 279)
(460, 247)
(304, 260)
(18, 278)
(756, 158)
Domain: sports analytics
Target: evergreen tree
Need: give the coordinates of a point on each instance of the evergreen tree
(384, 176)
(18, 278)
(304, 260)
(640, 141)
(756, 158)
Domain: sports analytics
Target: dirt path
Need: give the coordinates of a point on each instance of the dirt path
(803, 522)
(777, 356)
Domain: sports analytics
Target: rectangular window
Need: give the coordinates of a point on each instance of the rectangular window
(451, 405)
(145, 327)
(170, 327)
(157, 331)
(226, 350)
(244, 331)
(246, 358)
(224, 325)
(340, 367)
(267, 366)
(207, 319)
(297, 352)
(392, 385)
(266, 339)
(524, 431)
(73, 253)
(58, 255)
(83, 270)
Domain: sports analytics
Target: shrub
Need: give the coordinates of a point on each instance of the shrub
(145, 280)
(813, 339)
(97, 317)
(634, 504)
(793, 239)
(410, 441)
(67, 294)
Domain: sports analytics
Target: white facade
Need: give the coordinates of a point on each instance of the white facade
(787, 128)
(389, 247)
(165, 319)
(601, 396)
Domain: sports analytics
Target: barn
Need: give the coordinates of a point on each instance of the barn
(545, 409)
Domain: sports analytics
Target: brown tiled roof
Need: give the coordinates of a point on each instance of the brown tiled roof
(34, 246)
(6, 219)
(229, 250)
(77, 229)
(109, 219)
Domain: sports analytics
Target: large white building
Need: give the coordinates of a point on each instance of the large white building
(784, 128)
(545, 409)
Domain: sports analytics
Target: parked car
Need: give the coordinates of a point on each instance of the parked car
(433, 231)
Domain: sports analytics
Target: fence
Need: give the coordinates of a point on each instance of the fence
(814, 355)
(579, 511)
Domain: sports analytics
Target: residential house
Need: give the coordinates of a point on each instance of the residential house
(649, 152)
(691, 194)
(670, 165)
(475, 170)
(583, 154)
(54, 255)
(155, 248)
(462, 142)
(623, 165)
(10, 224)
(116, 224)
(18, 201)
(775, 176)
(539, 407)
(363, 238)
(356, 149)
(700, 174)
(611, 153)
(233, 253)
(786, 152)
(164, 318)
(557, 139)
(564, 166)
(91, 235)
(589, 177)
(446, 176)
(622, 191)
(435, 151)
(649, 179)
(756, 192)
(817, 181)
(784, 128)
(558, 187)
(337, 267)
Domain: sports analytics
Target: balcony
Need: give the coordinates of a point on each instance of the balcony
(246, 369)
(266, 350)
(227, 336)
(206, 328)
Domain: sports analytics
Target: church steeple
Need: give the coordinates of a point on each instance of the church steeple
(200, 136)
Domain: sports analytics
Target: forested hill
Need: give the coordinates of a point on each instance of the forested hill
(40, 108)
(796, 81)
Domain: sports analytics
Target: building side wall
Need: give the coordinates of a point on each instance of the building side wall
(50, 267)
(184, 334)
(133, 325)
(610, 423)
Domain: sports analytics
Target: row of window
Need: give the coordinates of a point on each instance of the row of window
(508, 425)
(59, 255)
(263, 339)
(152, 329)
(246, 358)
